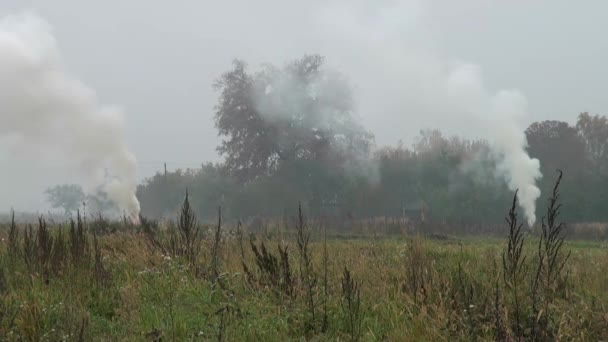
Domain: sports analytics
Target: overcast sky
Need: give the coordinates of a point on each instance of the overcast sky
(158, 59)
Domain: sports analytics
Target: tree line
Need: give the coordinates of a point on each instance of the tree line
(289, 134)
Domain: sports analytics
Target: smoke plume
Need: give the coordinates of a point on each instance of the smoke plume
(387, 49)
(499, 117)
(320, 104)
(43, 108)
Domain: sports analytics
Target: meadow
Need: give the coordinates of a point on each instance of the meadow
(99, 280)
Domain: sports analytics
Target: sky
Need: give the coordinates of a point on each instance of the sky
(158, 60)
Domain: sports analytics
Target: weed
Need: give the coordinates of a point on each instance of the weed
(465, 288)
(418, 275)
(79, 243)
(239, 236)
(551, 262)
(150, 229)
(351, 305)
(13, 238)
(223, 312)
(500, 330)
(29, 252)
(308, 279)
(286, 282)
(44, 246)
(100, 274)
(188, 241)
(215, 250)
(184, 240)
(274, 273)
(514, 263)
(325, 321)
(59, 254)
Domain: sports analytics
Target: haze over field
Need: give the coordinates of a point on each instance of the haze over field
(413, 64)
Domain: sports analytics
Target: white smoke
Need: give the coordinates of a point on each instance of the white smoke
(386, 48)
(43, 108)
(321, 103)
(499, 116)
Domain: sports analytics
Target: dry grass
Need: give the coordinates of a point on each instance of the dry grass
(194, 282)
(407, 289)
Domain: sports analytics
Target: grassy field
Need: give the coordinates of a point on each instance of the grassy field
(184, 281)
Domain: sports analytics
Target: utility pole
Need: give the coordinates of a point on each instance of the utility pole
(165, 173)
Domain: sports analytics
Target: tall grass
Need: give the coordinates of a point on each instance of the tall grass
(145, 282)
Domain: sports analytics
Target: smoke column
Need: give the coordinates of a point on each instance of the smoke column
(387, 49)
(43, 107)
(499, 117)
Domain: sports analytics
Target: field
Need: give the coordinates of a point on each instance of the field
(101, 280)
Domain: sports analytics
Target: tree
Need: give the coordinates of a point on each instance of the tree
(558, 146)
(66, 196)
(594, 132)
(162, 194)
(279, 115)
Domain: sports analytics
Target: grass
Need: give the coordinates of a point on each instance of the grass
(152, 294)
(176, 282)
